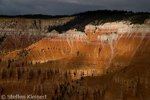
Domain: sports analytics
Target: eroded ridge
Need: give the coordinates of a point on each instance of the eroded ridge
(109, 61)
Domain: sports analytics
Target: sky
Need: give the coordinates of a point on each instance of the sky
(68, 7)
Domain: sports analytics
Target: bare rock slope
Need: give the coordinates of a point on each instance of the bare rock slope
(106, 62)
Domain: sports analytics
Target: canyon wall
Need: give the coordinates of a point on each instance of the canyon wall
(104, 47)
(107, 61)
(19, 33)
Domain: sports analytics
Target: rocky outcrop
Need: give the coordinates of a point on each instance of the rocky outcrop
(107, 61)
(19, 33)
(31, 25)
(104, 47)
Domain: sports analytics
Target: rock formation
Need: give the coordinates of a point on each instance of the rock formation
(109, 61)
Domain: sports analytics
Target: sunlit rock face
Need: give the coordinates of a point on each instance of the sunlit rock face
(19, 33)
(57, 46)
(111, 44)
(111, 57)
(126, 42)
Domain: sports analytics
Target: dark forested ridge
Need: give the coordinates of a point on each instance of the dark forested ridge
(38, 16)
(101, 17)
(91, 17)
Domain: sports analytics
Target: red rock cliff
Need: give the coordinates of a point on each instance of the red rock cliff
(117, 54)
